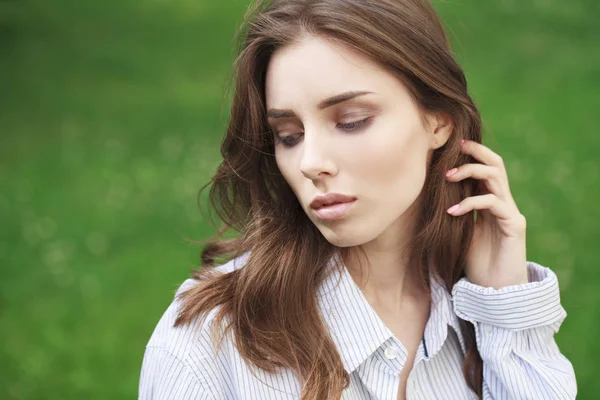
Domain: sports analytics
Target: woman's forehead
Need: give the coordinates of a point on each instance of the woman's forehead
(315, 69)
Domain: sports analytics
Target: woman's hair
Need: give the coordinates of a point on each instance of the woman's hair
(271, 302)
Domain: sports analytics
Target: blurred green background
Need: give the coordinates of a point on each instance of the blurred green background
(111, 117)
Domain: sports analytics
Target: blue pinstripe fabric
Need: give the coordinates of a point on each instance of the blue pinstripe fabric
(514, 329)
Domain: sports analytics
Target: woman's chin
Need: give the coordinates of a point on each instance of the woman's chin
(342, 236)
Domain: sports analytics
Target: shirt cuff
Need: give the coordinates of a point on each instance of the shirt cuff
(515, 307)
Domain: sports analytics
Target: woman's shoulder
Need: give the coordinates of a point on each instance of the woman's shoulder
(182, 340)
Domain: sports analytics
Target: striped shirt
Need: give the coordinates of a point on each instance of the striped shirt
(514, 329)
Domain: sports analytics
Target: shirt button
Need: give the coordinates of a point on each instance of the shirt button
(487, 328)
(390, 353)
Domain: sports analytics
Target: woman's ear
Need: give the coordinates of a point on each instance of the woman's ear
(440, 128)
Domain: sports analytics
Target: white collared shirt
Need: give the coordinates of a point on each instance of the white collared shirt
(514, 328)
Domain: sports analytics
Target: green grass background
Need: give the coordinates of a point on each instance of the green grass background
(111, 120)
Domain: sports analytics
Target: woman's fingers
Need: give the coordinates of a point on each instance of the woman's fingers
(482, 153)
(493, 177)
(489, 202)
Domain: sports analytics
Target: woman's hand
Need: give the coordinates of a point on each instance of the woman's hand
(497, 256)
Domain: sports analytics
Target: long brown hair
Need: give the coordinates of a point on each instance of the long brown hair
(271, 303)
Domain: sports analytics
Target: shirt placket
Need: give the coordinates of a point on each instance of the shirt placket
(413, 391)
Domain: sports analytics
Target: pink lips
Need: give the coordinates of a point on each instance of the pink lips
(334, 211)
(332, 205)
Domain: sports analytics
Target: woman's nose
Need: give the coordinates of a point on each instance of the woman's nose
(316, 155)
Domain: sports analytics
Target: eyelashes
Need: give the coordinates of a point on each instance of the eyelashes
(352, 126)
(349, 127)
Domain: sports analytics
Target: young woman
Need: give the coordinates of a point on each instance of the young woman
(381, 254)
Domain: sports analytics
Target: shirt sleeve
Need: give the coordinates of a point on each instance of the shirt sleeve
(164, 376)
(514, 330)
(181, 362)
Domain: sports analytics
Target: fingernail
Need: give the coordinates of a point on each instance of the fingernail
(462, 141)
(453, 208)
(451, 172)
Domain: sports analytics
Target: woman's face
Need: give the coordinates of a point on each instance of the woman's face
(374, 146)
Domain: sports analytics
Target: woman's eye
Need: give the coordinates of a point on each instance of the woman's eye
(289, 140)
(286, 141)
(352, 126)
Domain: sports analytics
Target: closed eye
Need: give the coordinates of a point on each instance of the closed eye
(352, 126)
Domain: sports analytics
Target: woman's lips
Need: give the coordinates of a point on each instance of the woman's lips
(334, 211)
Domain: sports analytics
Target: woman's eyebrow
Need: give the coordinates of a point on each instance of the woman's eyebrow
(339, 98)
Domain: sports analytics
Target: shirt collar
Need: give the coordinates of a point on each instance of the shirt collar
(358, 331)
(441, 316)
